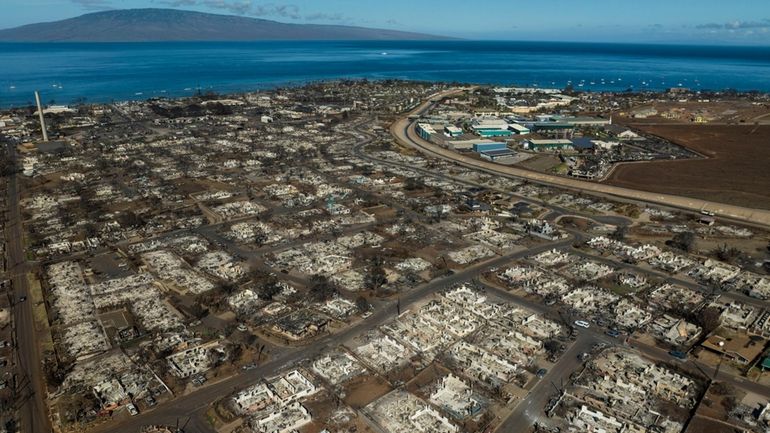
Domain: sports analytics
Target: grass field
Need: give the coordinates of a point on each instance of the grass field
(737, 170)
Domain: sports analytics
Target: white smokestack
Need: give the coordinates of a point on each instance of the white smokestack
(42, 118)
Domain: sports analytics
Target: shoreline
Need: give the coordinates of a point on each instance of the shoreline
(295, 84)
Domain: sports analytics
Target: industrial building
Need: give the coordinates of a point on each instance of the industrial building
(453, 131)
(491, 128)
(558, 144)
(519, 129)
(486, 133)
(465, 145)
(575, 120)
(552, 127)
(494, 152)
(497, 155)
(485, 147)
(425, 131)
(556, 124)
(582, 143)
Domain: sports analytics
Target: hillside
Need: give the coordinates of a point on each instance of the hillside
(146, 25)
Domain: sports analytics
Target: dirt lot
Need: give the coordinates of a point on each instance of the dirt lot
(704, 425)
(365, 389)
(544, 162)
(736, 172)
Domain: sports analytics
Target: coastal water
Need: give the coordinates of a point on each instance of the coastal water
(67, 72)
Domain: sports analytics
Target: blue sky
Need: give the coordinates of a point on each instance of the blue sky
(665, 21)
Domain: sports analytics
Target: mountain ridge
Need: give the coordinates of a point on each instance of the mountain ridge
(167, 25)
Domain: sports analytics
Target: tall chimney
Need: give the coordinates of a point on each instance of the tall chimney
(42, 118)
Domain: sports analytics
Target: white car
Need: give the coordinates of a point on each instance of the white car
(582, 324)
(132, 409)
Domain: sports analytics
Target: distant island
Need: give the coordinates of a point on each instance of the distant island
(150, 25)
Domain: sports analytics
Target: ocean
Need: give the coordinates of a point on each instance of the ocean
(100, 72)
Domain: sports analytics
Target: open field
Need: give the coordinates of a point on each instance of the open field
(543, 162)
(736, 171)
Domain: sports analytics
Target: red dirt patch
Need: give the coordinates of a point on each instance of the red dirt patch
(737, 170)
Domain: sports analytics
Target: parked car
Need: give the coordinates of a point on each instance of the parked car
(541, 373)
(199, 380)
(678, 354)
(132, 409)
(614, 333)
(582, 324)
(583, 356)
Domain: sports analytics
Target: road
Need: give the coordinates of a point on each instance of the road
(31, 397)
(532, 409)
(735, 296)
(403, 130)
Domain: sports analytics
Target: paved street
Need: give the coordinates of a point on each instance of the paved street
(31, 396)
